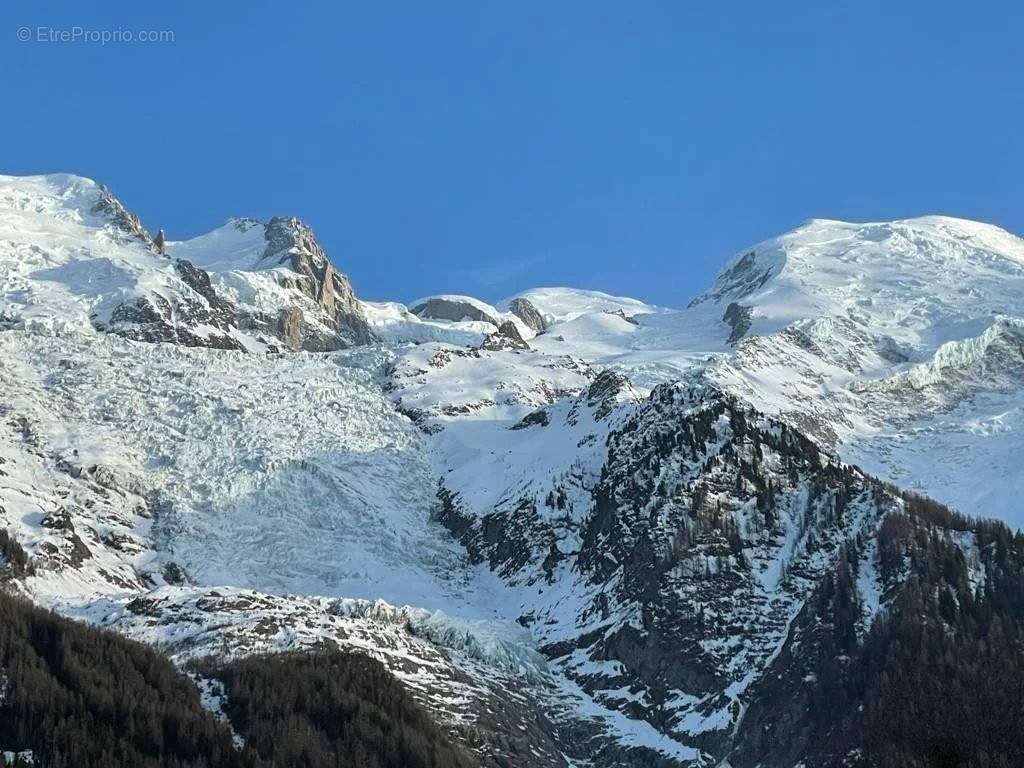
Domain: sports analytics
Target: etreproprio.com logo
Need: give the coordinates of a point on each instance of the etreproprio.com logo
(76, 34)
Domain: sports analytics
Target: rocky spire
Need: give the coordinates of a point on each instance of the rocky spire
(291, 243)
(159, 241)
(124, 221)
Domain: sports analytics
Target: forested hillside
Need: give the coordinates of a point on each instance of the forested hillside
(331, 709)
(81, 697)
(937, 681)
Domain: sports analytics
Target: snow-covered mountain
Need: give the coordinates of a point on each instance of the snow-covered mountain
(896, 345)
(581, 528)
(78, 261)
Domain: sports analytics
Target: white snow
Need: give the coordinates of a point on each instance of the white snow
(61, 264)
(394, 323)
(214, 698)
(25, 757)
(238, 245)
(281, 473)
(560, 305)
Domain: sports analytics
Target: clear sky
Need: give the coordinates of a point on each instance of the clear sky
(485, 147)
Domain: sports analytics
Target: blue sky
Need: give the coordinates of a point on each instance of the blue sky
(484, 148)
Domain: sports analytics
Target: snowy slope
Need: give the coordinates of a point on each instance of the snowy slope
(238, 245)
(65, 262)
(895, 342)
(283, 474)
(923, 281)
(830, 326)
(394, 323)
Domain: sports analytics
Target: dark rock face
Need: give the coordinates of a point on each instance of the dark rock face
(452, 310)
(685, 513)
(154, 318)
(528, 313)
(160, 242)
(220, 312)
(602, 395)
(509, 542)
(740, 279)
(738, 317)
(506, 337)
(620, 313)
(124, 220)
(538, 418)
(724, 556)
(291, 243)
(150, 320)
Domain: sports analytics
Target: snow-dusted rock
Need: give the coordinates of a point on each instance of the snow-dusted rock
(523, 309)
(455, 309)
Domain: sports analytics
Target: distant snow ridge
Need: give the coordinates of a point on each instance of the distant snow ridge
(921, 279)
(393, 323)
(69, 255)
(560, 305)
(814, 326)
(997, 355)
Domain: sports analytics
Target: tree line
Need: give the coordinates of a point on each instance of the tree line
(81, 697)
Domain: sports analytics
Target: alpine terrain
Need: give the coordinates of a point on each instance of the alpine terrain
(775, 526)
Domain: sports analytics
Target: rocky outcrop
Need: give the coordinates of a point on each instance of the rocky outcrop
(290, 328)
(291, 243)
(324, 315)
(525, 310)
(452, 310)
(507, 337)
(160, 242)
(125, 222)
(603, 395)
(620, 313)
(538, 418)
(739, 318)
(743, 276)
(218, 312)
(240, 307)
(196, 316)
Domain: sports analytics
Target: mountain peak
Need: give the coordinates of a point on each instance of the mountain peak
(65, 197)
(924, 270)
